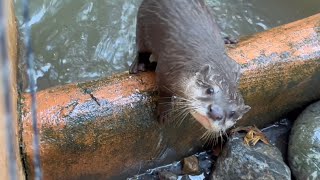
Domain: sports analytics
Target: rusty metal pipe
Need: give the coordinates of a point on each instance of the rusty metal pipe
(107, 128)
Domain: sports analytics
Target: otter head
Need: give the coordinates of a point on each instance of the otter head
(216, 102)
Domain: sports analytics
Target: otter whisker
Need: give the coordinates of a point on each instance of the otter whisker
(175, 113)
(177, 99)
(192, 99)
(205, 136)
(226, 134)
(216, 138)
(183, 118)
(174, 104)
(179, 112)
(222, 140)
(176, 109)
(181, 99)
(174, 93)
(182, 115)
(178, 106)
(211, 137)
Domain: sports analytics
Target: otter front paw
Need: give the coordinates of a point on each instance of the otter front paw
(228, 40)
(136, 66)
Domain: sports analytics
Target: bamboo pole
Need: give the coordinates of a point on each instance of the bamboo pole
(12, 41)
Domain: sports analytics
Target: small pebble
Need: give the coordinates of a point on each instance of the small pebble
(191, 165)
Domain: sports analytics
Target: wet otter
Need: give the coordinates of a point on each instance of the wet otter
(192, 67)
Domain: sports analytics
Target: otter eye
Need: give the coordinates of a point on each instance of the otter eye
(232, 114)
(210, 91)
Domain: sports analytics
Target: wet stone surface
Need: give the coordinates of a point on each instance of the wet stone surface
(166, 175)
(243, 162)
(240, 161)
(304, 144)
(278, 135)
(195, 167)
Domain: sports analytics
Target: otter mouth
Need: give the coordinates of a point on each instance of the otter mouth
(203, 120)
(207, 122)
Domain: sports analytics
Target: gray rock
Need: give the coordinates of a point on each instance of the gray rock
(166, 175)
(304, 144)
(278, 135)
(240, 161)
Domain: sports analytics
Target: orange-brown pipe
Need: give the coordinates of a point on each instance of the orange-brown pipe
(107, 128)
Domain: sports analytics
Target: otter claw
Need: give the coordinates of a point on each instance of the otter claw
(141, 67)
(228, 40)
(134, 68)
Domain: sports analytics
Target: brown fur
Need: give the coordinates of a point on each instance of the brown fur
(185, 41)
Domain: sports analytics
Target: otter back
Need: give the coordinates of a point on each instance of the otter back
(184, 41)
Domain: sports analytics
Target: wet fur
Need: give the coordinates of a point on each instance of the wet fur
(185, 41)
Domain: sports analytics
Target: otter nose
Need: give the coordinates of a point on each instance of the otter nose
(216, 112)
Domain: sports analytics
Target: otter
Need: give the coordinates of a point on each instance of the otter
(181, 41)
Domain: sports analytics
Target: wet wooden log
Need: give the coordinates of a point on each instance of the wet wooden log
(107, 128)
(11, 50)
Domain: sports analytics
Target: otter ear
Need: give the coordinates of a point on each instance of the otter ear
(245, 109)
(204, 72)
(206, 69)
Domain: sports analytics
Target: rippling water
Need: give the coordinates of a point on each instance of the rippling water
(79, 40)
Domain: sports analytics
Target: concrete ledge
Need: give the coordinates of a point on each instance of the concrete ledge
(106, 129)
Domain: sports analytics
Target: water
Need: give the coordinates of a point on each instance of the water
(80, 40)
